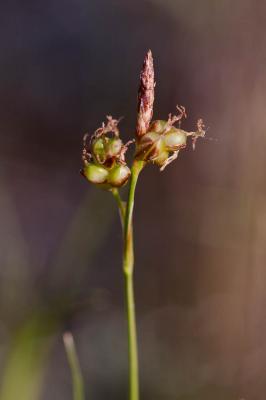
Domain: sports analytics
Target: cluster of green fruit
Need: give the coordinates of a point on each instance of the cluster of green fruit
(160, 142)
(104, 163)
(104, 160)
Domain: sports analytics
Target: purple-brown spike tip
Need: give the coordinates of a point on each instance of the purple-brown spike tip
(145, 95)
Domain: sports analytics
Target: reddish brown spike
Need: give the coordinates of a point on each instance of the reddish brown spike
(145, 96)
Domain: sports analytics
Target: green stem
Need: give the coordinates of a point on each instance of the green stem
(120, 203)
(77, 380)
(128, 264)
(126, 216)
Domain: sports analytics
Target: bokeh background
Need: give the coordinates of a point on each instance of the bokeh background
(200, 226)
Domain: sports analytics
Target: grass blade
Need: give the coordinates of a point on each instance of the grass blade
(77, 380)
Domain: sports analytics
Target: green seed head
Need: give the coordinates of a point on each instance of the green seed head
(95, 173)
(160, 145)
(118, 175)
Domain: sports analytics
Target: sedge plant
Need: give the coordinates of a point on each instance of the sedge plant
(104, 165)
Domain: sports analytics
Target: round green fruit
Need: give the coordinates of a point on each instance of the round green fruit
(149, 146)
(175, 139)
(98, 150)
(95, 173)
(118, 175)
(113, 147)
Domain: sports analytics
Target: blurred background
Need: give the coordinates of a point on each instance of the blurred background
(200, 227)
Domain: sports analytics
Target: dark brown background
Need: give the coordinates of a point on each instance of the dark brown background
(200, 226)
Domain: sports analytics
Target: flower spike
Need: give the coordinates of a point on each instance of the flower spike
(145, 96)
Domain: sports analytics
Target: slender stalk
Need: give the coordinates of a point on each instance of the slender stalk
(77, 380)
(120, 203)
(128, 264)
(133, 371)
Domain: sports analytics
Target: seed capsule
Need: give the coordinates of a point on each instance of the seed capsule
(149, 146)
(175, 139)
(98, 150)
(118, 175)
(162, 142)
(113, 147)
(95, 173)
